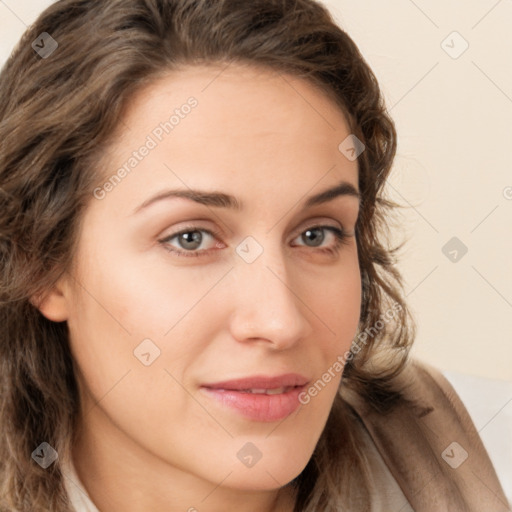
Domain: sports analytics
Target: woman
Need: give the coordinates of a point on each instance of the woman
(200, 310)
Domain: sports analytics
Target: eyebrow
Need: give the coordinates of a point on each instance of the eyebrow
(222, 200)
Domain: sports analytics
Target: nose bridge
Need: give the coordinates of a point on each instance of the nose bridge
(266, 305)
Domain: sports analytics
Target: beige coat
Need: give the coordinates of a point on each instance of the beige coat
(431, 449)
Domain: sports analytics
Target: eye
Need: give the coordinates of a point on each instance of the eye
(316, 235)
(190, 240)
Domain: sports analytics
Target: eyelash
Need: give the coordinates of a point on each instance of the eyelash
(341, 238)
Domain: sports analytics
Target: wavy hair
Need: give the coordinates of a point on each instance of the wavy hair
(57, 116)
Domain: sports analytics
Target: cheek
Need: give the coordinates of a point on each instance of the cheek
(137, 323)
(337, 301)
(139, 296)
(122, 313)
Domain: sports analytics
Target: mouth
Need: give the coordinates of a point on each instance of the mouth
(263, 391)
(259, 398)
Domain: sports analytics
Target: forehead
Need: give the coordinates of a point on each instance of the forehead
(249, 129)
(241, 96)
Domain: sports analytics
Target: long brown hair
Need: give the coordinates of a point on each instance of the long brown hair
(56, 116)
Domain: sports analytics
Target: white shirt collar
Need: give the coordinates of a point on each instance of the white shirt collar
(79, 497)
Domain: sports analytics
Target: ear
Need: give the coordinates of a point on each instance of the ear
(53, 304)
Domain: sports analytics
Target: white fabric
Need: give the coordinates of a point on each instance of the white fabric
(489, 403)
(79, 497)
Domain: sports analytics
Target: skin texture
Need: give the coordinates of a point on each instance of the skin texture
(150, 439)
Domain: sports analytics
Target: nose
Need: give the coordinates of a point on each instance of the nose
(268, 303)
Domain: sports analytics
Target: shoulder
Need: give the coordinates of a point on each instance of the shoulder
(430, 444)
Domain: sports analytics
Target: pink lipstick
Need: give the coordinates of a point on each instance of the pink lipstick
(260, 398)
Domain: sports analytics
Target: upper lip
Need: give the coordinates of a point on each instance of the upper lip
(260, 382)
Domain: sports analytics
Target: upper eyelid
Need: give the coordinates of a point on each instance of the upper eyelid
(307, 224)
(215, 233)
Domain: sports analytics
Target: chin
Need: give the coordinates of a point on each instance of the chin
(264, 479)
(272, 471)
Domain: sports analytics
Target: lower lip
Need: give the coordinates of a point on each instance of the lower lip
(259, 407)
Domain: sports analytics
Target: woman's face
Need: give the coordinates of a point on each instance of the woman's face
(159, 322)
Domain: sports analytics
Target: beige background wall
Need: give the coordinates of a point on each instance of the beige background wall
(454, 165)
